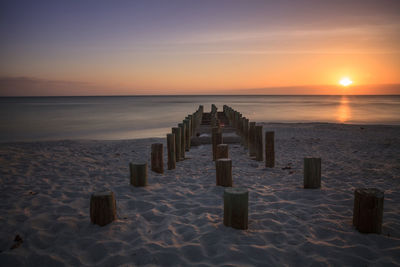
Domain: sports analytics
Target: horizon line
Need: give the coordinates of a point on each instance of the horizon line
(172, 95)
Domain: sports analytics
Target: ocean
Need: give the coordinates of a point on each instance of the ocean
(132, 117)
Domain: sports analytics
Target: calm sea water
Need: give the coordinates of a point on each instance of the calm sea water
(128, 117)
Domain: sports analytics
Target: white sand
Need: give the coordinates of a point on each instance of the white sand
(177, 219)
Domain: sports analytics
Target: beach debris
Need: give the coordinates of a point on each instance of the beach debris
(103, 208)
(157, 158)
(32, 193)
(312, 172)
(368, 210)
(17, 242)
(288, 166)
(138, 173)
(236, 206)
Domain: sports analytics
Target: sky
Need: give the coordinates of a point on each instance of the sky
(199, 47)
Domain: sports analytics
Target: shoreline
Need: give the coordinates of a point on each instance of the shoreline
(288, 124)
(177, 218)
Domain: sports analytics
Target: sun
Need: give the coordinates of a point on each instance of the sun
(345, 81)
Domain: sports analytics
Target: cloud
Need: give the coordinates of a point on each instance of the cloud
(28, 86)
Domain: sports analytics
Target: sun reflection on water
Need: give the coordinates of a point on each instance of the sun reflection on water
(343, 112)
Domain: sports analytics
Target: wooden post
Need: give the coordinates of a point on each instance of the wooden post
(258, 142)
(177, 132)
(236, 206)
(157, 158)
(187, 134)
(138, 173)
(216, 140)
(223, 172)
(171, 151)
(190, 117)
(240, 127)
(269, 150)
(312, 172)
(214, 130)
(368, 210)
(103, 208)
(222, 152)
(183, 139)
(252, 147)
(246, 133)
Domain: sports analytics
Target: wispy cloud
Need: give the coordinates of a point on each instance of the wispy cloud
(28, 86)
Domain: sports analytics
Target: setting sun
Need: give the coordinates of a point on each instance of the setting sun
(345, 81)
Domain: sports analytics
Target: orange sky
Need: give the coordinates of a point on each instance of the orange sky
(224, 47)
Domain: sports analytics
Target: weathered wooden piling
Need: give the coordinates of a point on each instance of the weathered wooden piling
(245, 136)
(103, 208)
(312, 172)
(157, 158)
(187, 134)
(258, 130)
(269, 149)
(171, 151)
(223, 172)
(240, 128)
(216, 139)
(222, 151)
(368, 210)
(182, 126)
(252, 141)
(177, 132)
(190, 117)
(138, 173)
(236, 206)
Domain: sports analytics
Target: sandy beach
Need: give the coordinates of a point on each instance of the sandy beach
(177, 219)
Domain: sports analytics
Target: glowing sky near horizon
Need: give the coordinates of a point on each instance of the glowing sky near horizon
(169, 47)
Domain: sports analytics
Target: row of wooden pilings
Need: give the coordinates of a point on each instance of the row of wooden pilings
(368, 203)
(103, 204)
(251, 136)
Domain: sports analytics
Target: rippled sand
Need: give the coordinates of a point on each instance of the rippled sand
(177, 219)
